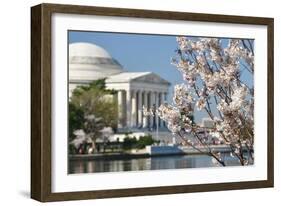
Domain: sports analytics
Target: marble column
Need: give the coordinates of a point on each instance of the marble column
(152, 106)
(134, 109)
(162, 100)
(128, 108)
(156, 107)
(145, 104)
(140, 109)
(120, 109)
(165, 99)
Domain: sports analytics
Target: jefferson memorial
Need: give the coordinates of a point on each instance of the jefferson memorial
(88, 62)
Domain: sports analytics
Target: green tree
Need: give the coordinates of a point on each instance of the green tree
(144, 141)
(75, 119)
(129, 143)
(99, 108)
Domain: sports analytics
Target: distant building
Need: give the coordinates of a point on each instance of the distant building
(88, 62)
(208, 123)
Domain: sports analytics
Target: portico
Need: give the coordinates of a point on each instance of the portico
(135, 90)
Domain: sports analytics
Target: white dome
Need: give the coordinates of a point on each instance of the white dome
(87, 49)
(88, 62)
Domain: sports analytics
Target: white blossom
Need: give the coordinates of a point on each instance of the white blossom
(171, 115)
(182, 97)
(201, 103)
(147, 112)
(211, 72)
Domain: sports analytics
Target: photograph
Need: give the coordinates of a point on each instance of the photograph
(133, 102)
(139, 102)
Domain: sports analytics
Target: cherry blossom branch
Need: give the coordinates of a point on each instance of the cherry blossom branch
(216, 101)
(202, 152)
(251, 47)
(218, 68)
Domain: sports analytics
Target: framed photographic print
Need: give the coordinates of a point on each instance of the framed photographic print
(130, 102)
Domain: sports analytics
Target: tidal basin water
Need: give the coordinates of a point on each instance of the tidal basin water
(152, 163)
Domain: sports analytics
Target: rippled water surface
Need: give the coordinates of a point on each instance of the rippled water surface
(153, 163)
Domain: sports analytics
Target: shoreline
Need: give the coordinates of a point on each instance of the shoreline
(138, 155)
(118, 156)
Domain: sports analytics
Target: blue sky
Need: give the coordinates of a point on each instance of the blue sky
(141, 52)
(136, 52)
